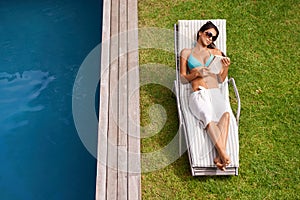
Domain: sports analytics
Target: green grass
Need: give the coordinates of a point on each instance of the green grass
(263, 44)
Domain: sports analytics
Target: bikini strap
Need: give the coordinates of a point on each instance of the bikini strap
(211, 57)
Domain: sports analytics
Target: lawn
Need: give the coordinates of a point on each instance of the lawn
(263, 44)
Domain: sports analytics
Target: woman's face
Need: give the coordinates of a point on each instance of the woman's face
(208, 36)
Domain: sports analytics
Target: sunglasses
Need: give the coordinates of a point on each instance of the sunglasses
(210, 35)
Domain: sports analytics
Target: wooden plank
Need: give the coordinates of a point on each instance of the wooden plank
(123, 74)
(112, 173)
(119, 120)
(122, 136)
(103, 105)
(134, 166)
(122, 174)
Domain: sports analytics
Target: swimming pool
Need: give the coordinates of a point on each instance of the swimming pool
(43, 43)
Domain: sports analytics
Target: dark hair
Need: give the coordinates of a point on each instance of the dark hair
(208, 25)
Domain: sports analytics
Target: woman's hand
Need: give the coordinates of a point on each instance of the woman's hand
(204, 72)
(199, 73)
(224, 72)
(226, 61)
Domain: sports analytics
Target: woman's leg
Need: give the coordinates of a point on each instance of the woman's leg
(218, 140)
(223, 125)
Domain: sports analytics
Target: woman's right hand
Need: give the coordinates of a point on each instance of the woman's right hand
(204, 72)
(200, 73)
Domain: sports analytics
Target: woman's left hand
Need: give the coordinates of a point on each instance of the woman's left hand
(226, 61)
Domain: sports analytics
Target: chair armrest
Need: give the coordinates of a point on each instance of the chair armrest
(238, 112)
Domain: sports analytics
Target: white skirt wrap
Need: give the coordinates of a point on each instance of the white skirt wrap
(208, 105)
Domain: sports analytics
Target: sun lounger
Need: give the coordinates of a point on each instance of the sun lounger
(200, 148)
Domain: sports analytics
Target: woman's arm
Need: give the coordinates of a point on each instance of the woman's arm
(184, 75)
(224, 72)
(225, 62)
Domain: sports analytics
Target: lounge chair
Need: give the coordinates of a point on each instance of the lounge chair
(201, 151)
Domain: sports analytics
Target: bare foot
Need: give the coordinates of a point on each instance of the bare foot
(222, 162)
(225, 158)
(219, 164)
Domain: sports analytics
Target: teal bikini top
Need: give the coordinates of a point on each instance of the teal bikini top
(193, 62)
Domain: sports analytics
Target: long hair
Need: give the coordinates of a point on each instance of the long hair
(208, 25)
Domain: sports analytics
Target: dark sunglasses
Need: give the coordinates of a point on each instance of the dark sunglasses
(210, 35)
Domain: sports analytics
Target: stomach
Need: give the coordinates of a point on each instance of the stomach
(208, 81)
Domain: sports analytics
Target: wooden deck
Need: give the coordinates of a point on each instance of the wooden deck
(118, 166)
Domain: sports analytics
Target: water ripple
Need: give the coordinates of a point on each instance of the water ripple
(18, 91)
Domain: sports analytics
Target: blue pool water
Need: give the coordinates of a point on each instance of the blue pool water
(43, 43)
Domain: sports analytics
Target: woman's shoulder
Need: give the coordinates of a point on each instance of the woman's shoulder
(185, 52)
(216, 51)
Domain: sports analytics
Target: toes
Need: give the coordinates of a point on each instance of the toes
(228, 162)
(219, 164)
(217, 160)
(222, 164)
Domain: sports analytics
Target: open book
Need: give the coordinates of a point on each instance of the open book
(216, 65)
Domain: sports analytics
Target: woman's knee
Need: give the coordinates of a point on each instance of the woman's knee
(210, 124)
(226, 115)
